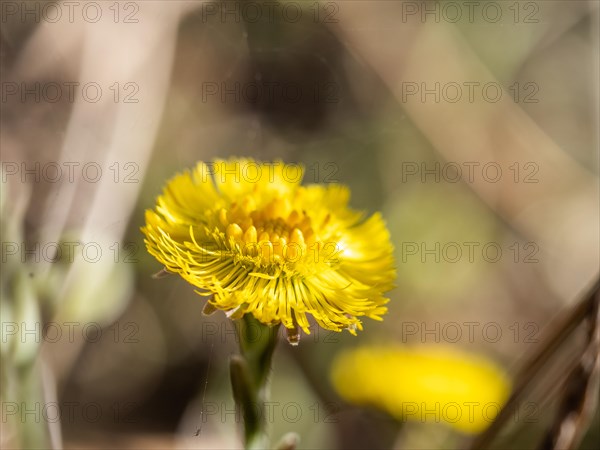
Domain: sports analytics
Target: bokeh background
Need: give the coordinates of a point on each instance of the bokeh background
(126, 94)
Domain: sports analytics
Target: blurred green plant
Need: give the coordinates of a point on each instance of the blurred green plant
(35, 292)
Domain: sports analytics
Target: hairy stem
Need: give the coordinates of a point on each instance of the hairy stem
(250, 375)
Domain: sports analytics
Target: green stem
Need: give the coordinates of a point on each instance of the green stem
(249, 377)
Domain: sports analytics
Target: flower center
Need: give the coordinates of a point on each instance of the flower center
(277, 233)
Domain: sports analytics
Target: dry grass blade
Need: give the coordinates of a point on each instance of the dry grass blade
(580, 398)
(585, 309)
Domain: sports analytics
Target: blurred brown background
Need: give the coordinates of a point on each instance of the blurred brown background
(414, 105)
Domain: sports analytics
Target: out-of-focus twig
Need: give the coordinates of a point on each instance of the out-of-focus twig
(580, 399)
(575, 405)
(564, 202)
(110, 132)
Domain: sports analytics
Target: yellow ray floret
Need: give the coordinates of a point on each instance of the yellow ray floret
(248, 235)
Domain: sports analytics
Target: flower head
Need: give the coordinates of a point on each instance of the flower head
(423, 383)
(255, 240)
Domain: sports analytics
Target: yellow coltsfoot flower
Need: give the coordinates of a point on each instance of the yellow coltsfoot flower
(254, 240)
(423, 383)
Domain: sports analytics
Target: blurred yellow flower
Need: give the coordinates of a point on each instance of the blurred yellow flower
(255, 241)
(436, 384)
